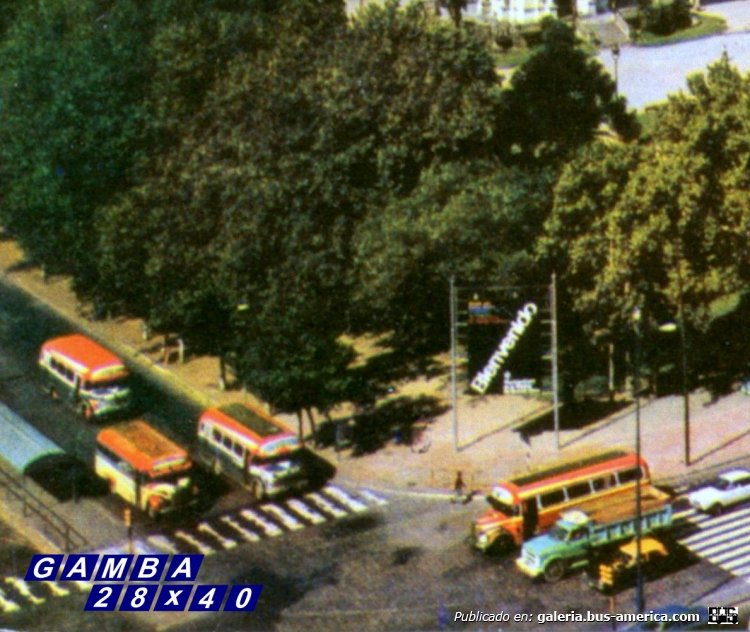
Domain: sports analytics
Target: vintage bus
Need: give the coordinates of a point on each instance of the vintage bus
(253, 448)
(531, 504)
(82, 372)
(145, 468)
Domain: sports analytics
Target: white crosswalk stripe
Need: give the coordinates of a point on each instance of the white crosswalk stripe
(721, 540)
(289, 521)
(251, 536)
(326, 506)
(368, 495)
(194, 542)
(269, 528)
(306, 512)
(7, 605)
(226, 543)
(345, 499)
(23, 589)
(56, 589)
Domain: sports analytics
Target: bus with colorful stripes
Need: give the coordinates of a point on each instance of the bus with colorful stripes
(145, 468)
(253, 448)
(81, 372)
(530, 504)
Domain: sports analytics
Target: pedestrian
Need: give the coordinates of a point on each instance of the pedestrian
(458, 488)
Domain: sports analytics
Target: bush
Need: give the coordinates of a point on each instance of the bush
(665, 19)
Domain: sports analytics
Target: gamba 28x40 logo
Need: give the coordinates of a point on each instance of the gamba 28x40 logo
(158, 582)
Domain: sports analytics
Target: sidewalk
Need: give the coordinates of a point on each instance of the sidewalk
(489, 448)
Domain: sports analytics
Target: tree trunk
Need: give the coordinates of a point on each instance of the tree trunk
(301, 429)
(313, 429)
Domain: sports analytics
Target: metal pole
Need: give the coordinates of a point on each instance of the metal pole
(683, 353)
(639, 600)
(454, 385)
(553, 327)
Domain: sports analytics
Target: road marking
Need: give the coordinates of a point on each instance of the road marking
(245, 533)
(226, 543)
(345, 499)
(83, 586)
(367, 494)
(729, 553)
(56, 589)
(323, 504)
(163, 543)
(735, 541)
(194, 542)
(7, 605)
(254, 517)
(23, 589)
(726, 533)
(289, 521)
(306, 512)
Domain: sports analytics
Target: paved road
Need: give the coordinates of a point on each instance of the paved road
(647, 75)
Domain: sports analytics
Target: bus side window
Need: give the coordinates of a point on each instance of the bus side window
(552, 498)
(227, 443)
(600, 484)
(216, 435)
(628, 476)
(578, 490)
(238, 449)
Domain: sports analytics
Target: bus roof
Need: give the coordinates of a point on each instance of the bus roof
(247, 420)
(93, 360)
(569, 470)
(145, 448)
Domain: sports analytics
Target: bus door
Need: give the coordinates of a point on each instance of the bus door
(530, 517)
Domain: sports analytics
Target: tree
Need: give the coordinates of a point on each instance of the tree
(477, 222)
(668, 231)
(71, 88)
(557, 101)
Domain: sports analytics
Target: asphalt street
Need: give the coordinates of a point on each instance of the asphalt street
(649, 74)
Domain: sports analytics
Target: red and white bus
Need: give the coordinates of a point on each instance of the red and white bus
(253, 448)
(87, 375)
(530, 504)
(145, 468)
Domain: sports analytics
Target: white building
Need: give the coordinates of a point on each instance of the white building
(515, 11)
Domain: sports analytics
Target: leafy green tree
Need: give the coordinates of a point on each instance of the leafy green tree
(71, 88)
(476, 221)
(558, 100)
(668, 230)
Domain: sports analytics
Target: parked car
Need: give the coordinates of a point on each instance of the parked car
(728, 489)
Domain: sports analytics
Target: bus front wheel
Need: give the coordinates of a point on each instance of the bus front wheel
(555, 571)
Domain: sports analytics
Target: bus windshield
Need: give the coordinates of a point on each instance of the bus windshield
(102, 387)
(508, 510)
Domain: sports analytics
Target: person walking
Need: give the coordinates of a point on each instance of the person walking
(458, 488)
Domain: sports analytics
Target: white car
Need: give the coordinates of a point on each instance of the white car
(729, 488)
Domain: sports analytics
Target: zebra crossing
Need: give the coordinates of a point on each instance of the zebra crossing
(722, 540)
(219, 533)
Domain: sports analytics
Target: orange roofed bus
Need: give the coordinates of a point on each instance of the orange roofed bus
(531, 504)
(144, 467)
(251, 447)
(86, 374)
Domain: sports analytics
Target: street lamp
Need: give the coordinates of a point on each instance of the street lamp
(639, 600)
(616, 59)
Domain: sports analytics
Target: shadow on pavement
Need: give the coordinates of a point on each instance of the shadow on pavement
(65, 477)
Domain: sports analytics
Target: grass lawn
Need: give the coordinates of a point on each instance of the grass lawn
(706, 25)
